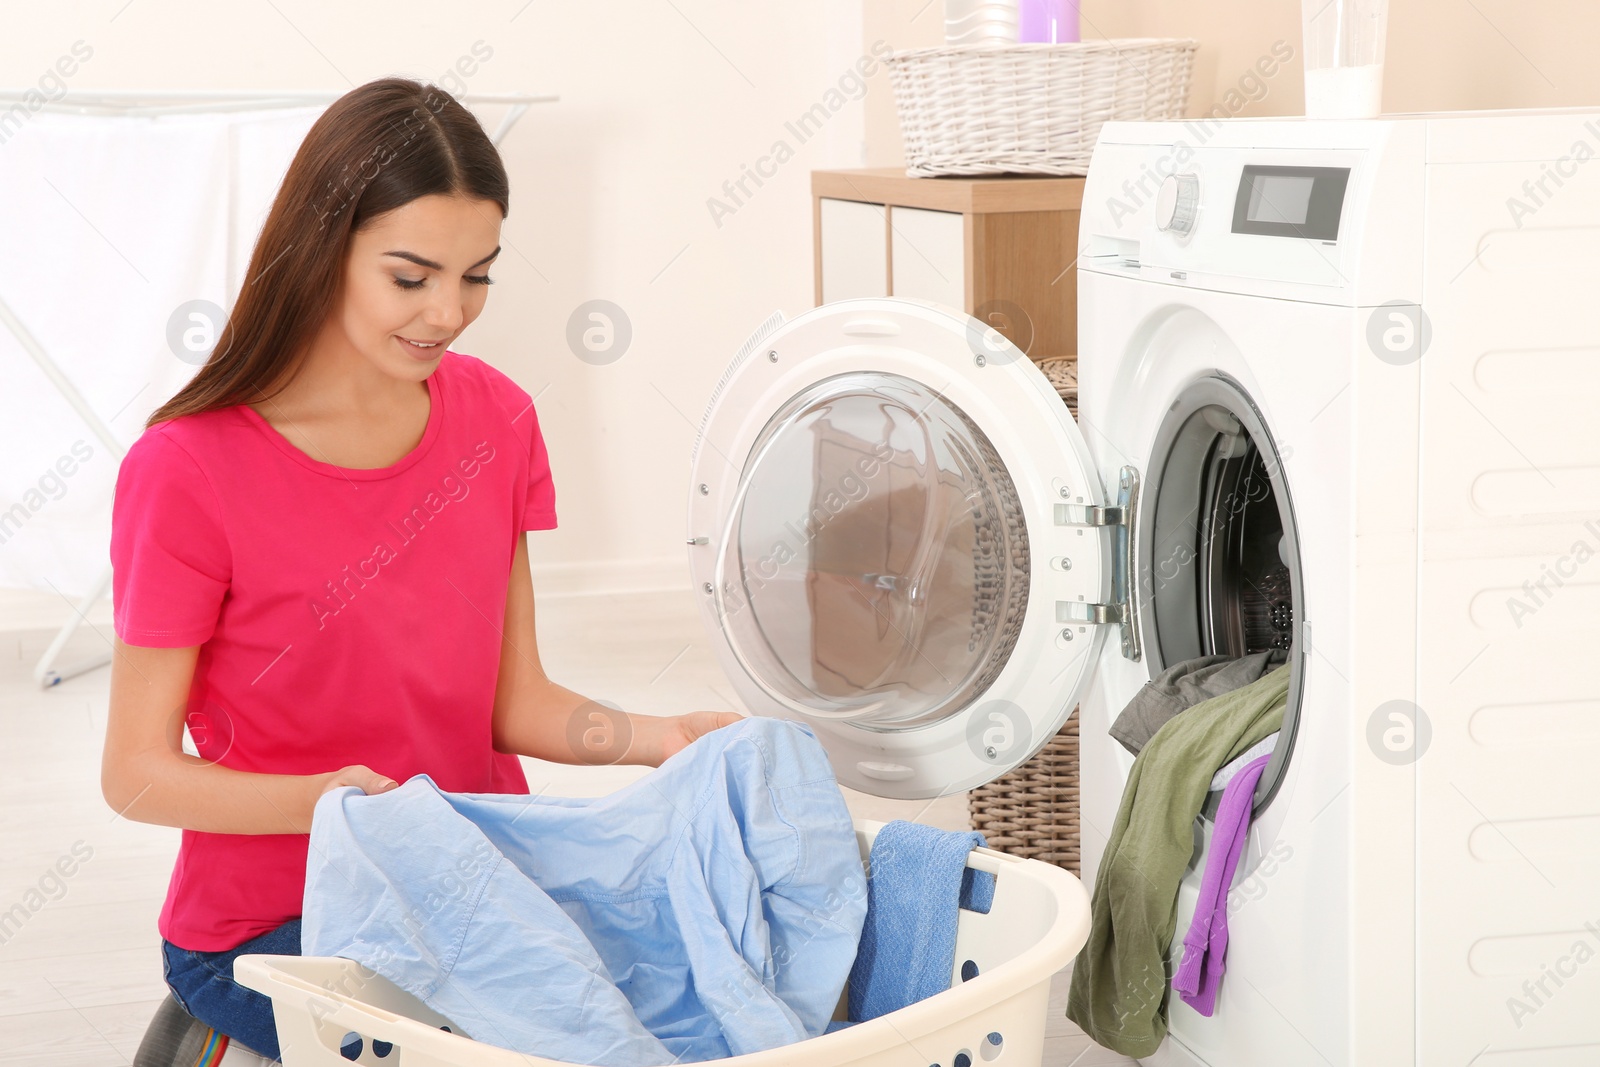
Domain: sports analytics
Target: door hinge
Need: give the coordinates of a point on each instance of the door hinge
(1096, 614)
(1088, 515)
(1121, 519)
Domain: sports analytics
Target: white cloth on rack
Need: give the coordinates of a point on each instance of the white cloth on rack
(112, 223)
(263, 144)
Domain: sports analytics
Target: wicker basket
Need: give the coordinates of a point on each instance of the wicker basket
(1030, 108)
(1062, 372)
(1032, 811)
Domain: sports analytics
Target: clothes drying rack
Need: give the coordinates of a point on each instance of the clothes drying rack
(137, 103)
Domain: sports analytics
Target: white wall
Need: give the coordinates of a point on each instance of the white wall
(661, 103)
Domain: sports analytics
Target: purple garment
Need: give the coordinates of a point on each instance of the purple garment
(1206, 943)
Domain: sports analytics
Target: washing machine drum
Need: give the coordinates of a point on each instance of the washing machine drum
(890, 534)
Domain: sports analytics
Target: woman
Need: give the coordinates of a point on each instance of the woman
(318, 553)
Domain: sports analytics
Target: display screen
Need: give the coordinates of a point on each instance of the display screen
(1303, 202)
(1280, 198)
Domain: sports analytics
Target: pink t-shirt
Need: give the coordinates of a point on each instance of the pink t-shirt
(344, 616)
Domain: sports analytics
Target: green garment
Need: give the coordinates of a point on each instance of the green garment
(1119, 982)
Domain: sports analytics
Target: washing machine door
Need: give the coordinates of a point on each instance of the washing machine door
(897, 537)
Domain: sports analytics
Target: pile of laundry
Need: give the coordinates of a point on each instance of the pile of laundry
(1203, 725)
(715, 907)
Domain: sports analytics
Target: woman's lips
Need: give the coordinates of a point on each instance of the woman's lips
(423, 349)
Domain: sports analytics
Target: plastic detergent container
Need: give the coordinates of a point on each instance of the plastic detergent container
(1344, 57)
(1047, 21)
(980, 22)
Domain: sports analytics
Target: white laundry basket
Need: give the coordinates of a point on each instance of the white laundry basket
(1000, 986)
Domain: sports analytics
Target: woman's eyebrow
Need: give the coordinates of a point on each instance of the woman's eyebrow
(431, 265)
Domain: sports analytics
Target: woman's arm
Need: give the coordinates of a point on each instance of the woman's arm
(534, 716)
(146, 776)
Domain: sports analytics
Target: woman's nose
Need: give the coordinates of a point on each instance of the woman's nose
(444, 310)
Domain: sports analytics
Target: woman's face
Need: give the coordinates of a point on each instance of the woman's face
(416, 277)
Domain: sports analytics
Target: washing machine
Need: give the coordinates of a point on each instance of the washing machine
(1336, 384)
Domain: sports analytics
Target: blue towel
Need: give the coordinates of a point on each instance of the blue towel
(710, 909)
(919, 881)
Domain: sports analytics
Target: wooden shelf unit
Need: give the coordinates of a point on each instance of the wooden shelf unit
(1005, 244)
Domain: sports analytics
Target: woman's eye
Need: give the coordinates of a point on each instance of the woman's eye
(475, 279)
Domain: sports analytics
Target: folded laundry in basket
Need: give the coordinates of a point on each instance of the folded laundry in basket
(1184, 685)
(1119, 980)
(1205, 946)
(712, 908)
(920, 880)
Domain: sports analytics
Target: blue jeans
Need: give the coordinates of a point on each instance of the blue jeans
(203, 983)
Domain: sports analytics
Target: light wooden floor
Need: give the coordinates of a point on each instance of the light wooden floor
(80, 974)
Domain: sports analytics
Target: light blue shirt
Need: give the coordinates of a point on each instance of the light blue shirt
(710, 909)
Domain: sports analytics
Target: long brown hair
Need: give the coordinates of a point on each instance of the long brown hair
(374, 149)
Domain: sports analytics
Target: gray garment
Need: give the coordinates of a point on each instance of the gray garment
(1182, 686)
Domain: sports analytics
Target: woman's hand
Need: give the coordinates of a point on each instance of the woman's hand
(364, 778)
(681, 731)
